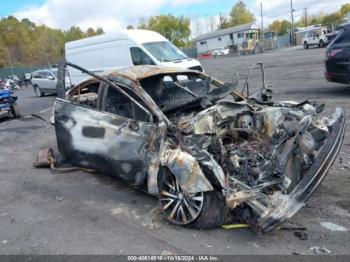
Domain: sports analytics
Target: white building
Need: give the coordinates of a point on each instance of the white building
(229, 37)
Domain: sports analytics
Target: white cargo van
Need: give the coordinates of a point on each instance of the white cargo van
(107, 52)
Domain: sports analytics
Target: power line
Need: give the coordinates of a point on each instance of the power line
(305, 16)
(261, 14)
(292, 18)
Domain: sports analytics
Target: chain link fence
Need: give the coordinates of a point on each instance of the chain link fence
(19, 71)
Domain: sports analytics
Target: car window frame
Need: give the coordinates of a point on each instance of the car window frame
(61, 92)
(103, 102)
(47, 74)
(83, 85)
(52, 74)
(38, 73)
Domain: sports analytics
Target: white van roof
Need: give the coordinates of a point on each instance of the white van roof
(137, 35)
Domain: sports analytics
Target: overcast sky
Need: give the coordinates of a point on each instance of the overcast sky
(117, 14)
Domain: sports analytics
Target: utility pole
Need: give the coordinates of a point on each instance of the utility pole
(292, 18)
(220, 21)
(305, 16)
(262, 19)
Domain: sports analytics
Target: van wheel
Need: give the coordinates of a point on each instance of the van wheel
(306, 45)
(200, 210)
(321, 44)
(38, 91)
(15, 111)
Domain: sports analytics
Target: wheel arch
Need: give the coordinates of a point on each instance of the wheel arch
(194, 176)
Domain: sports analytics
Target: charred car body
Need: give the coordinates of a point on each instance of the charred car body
(206, 150)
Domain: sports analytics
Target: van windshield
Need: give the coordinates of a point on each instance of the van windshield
(164, 51)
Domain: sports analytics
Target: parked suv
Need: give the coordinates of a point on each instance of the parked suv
(44, 81)
(317, 37)
(221, 51)
(337, 62)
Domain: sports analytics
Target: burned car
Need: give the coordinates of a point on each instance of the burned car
(202, 147)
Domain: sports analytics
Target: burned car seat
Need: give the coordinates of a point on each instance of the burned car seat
(118, 104)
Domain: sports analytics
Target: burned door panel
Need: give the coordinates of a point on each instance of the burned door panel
(102, 141)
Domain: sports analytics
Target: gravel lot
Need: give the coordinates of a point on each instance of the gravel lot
(42, 212)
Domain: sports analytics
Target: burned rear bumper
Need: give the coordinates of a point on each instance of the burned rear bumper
(294, 201)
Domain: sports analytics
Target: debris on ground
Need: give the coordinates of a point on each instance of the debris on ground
(333, 227)
(293, 228)
(59, 198)
(320, 250)
(301, 235)
(235, 226)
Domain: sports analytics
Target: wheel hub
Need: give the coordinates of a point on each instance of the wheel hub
(179, 208)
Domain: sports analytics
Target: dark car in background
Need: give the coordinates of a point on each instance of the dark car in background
(337, 62)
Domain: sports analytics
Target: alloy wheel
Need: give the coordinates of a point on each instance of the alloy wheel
(178, 207)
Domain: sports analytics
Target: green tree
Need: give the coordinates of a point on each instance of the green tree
(28, 23)
(240, 14)
(129, 27)
(15, 38)
(345, 9)
(99, 31)
(315, 20)
(90, 32)
(224, 23)
(302, 22)
(176, 29)
(74, 33)
(23, 43)
(281, 27)
(332, 19)
(3, 52)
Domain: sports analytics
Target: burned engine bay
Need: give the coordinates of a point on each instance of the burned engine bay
(204, 153)
(262, 147)
(264, 150)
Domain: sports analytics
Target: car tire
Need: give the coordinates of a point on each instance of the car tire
(306, 45)
(15, 111)
(321, 44)
(203, 210)
(38, 91)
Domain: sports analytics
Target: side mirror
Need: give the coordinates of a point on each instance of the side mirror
(50, 78)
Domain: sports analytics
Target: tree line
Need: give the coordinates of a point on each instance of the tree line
(23, 43)
(331, 20)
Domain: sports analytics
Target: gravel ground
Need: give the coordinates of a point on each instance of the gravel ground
(42, 212)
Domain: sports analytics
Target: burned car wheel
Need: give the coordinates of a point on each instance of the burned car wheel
(198, 210)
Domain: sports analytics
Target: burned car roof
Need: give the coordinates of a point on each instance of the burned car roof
(137, 73)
